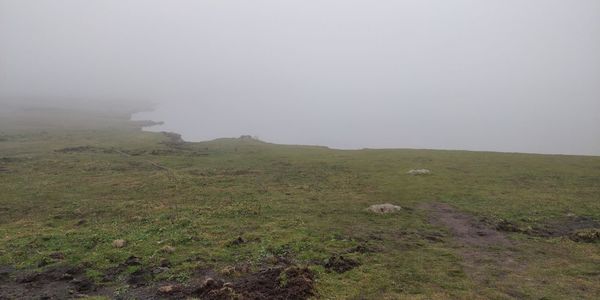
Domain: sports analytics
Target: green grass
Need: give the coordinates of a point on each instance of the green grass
(305, 202)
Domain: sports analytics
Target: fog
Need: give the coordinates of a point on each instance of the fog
(499, 75)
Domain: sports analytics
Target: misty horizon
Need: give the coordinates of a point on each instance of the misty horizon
(508, 76)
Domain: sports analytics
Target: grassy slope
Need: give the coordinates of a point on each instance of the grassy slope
(306, 202)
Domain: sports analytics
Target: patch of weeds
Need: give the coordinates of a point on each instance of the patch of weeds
(283, 279)
(181, 276)
(284, 250)
(121, 290)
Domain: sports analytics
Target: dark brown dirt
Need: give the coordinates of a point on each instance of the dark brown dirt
(141, 277)
(283, 281)
(5, 273)
(56, 282)
(279, 282)
(465, 228)
(340, 264)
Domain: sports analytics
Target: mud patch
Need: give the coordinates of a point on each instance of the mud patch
(464, 227)
(278, 282)
(58, 282)
(486, 253)
(566, 226)
(340, 264)
(577, 228)
(141, 277)
(5, 273)
(282, 281)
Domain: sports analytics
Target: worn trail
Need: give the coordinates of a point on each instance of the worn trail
(488, 255)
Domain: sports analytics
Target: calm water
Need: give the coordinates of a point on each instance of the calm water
(375, 127)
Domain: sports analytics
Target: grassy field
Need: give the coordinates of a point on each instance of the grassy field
(72, 182)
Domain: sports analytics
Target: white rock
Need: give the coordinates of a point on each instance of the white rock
(418, 172)
(384, 208)
(119, 243)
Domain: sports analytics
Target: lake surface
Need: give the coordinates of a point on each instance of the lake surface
(375, 126)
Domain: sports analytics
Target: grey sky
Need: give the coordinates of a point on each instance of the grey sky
(503, 75)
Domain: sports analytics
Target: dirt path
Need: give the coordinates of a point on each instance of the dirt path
(488, 255)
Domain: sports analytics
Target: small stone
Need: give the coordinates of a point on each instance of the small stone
(167, 289)
(119, 243)
(210, 284)
(418, 172)
(384, 208)
(228, 271)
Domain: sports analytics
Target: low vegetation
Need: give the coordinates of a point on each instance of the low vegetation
(91, 205)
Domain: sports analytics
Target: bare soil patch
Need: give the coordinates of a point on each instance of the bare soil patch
(57, 282)
(569, 225)
(278, 282)
(488, 255)
(577, 228)
(282, 281)
(465, 228)
(340, 264)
